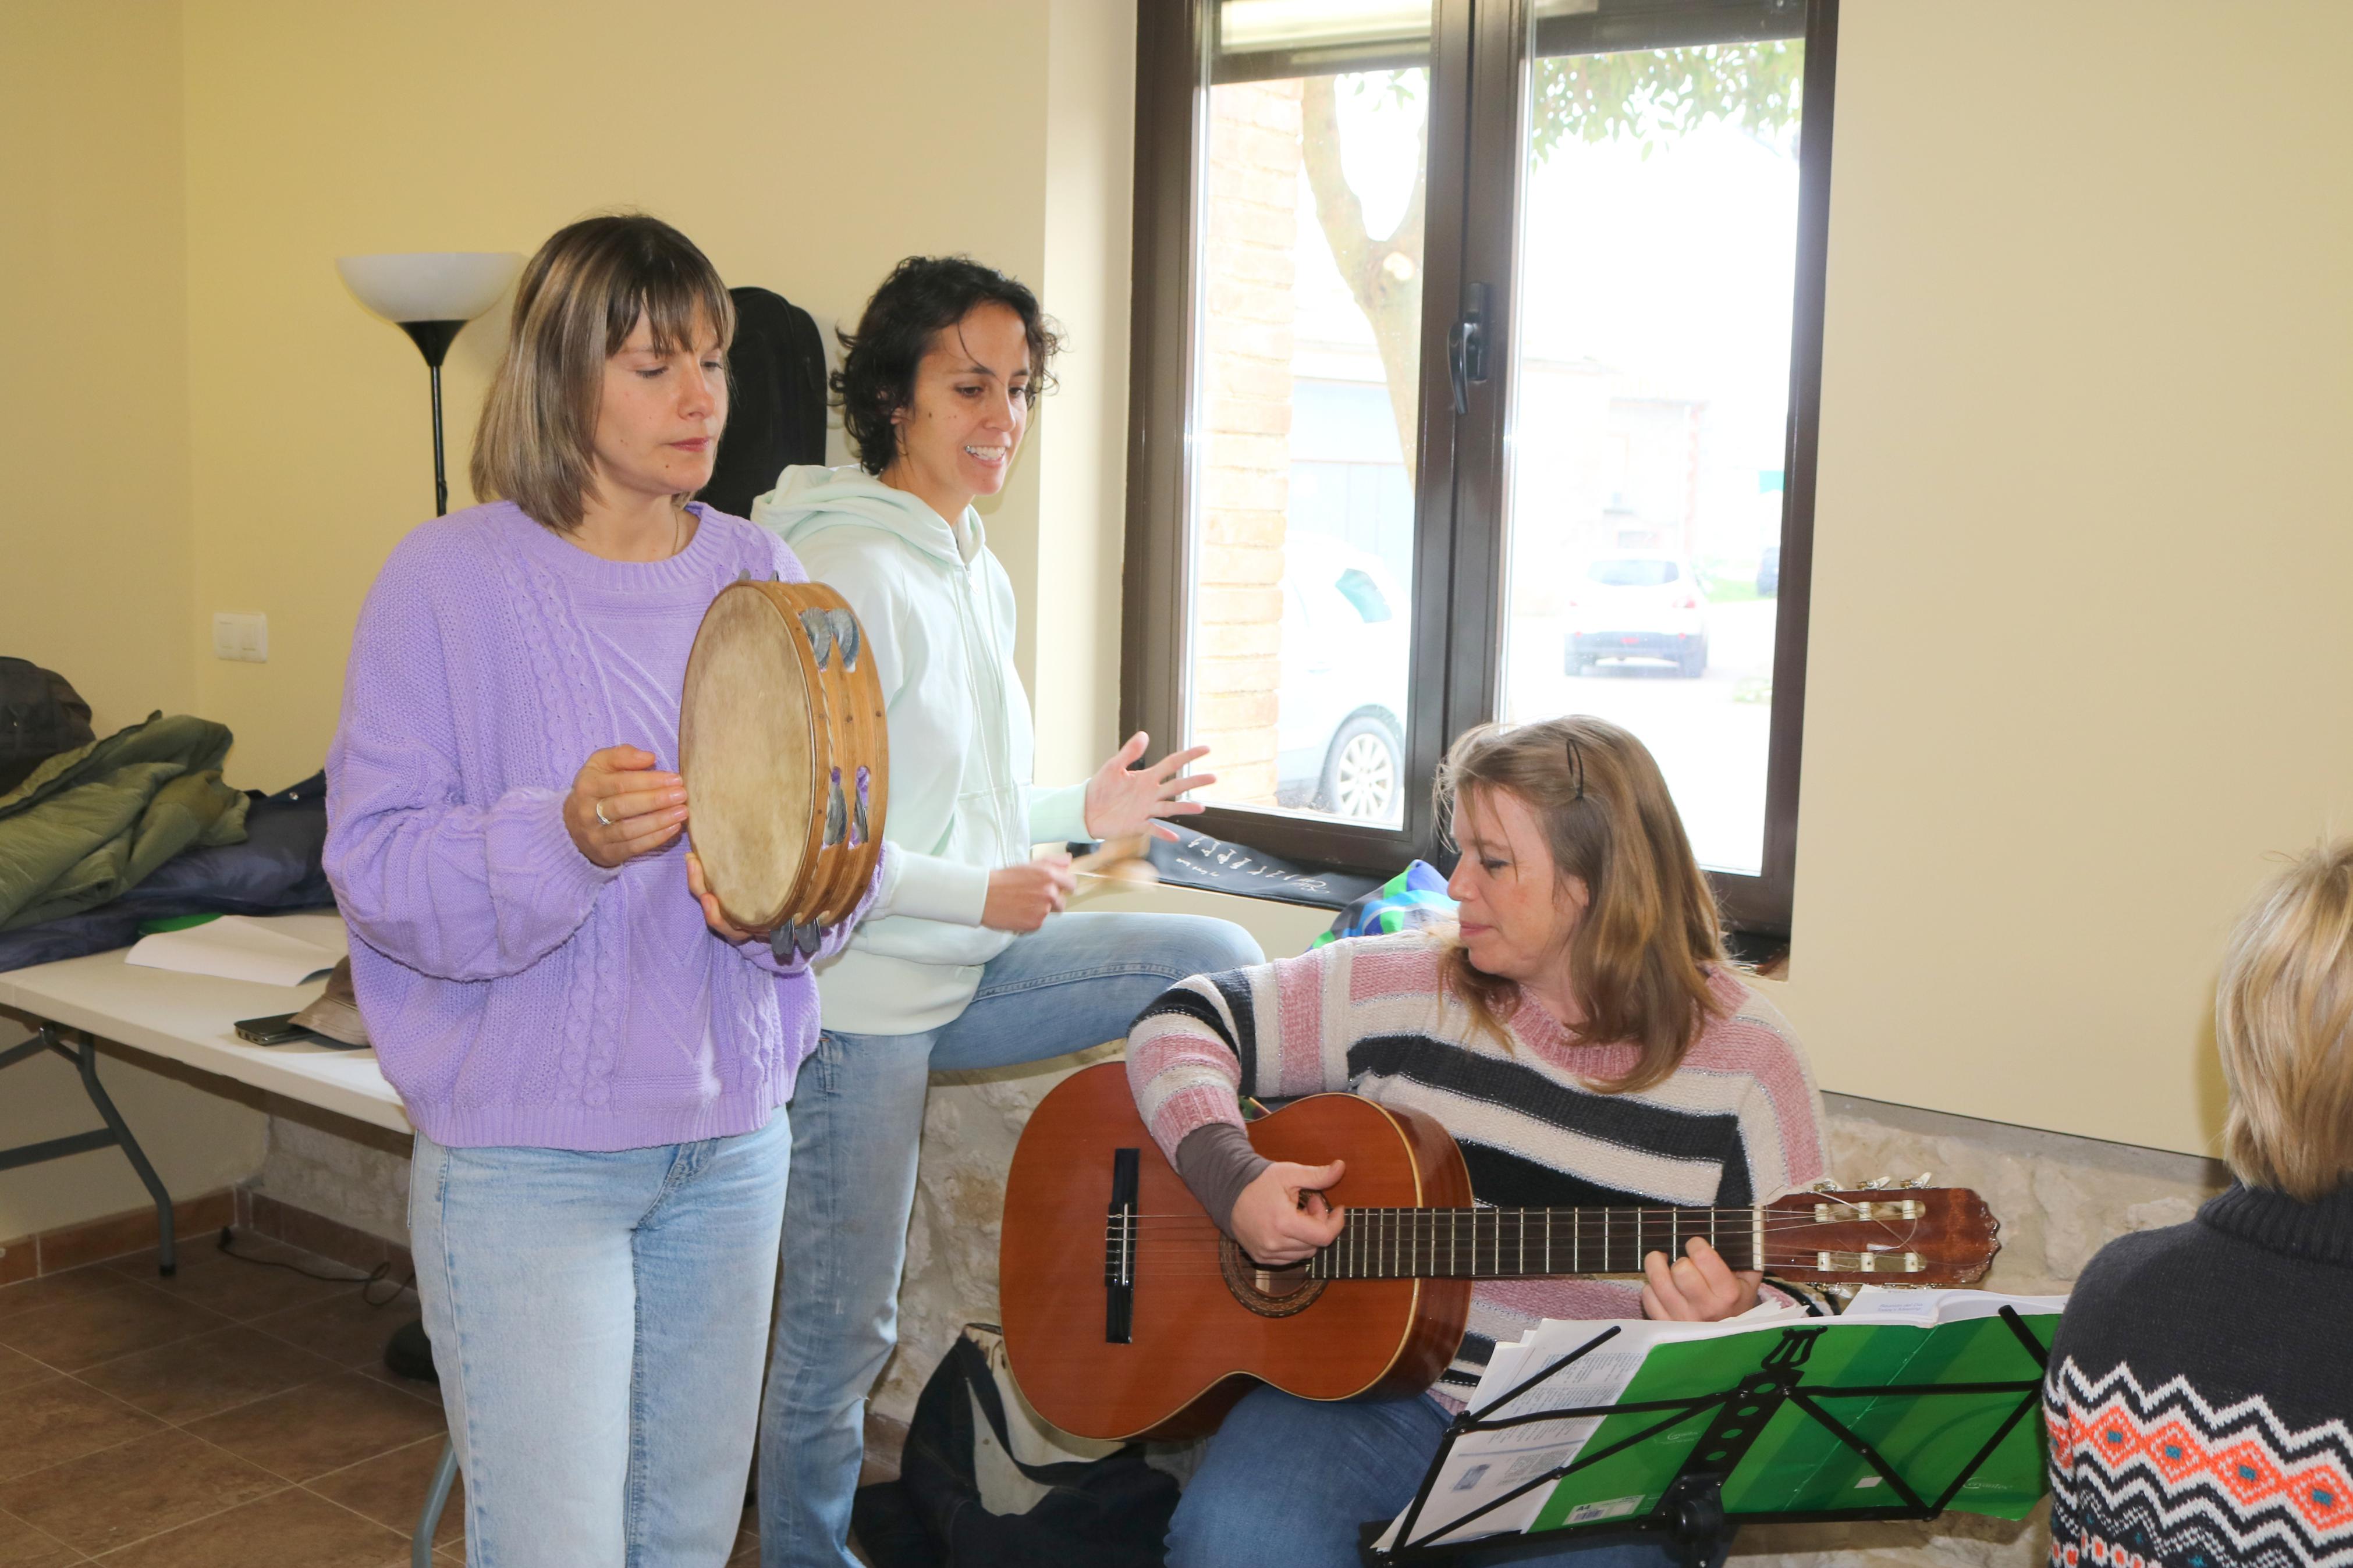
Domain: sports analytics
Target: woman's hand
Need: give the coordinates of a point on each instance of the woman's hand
(701, 887)
(1700, 1288)
(620, 808)
(1282, 1217)
(1022, 897)
(1122, 800)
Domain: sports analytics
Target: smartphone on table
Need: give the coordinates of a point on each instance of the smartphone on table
(278, 1029)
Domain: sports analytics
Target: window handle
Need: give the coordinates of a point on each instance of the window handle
(1466, 346)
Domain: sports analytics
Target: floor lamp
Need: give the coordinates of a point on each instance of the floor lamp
(431, 295)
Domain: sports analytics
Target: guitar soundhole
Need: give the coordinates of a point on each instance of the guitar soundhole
(1269, 1293)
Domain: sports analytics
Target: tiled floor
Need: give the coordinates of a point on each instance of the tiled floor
(231, 1415)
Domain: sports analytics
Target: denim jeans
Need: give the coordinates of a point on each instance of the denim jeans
(1287, 1483)
(597, 1322)
(858, 1117)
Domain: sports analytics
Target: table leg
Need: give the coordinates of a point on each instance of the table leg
(117, 1133)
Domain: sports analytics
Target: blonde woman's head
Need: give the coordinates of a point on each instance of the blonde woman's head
(1634, 930)
(2284, 1021)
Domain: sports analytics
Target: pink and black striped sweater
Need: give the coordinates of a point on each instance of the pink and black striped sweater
(1738, 1123)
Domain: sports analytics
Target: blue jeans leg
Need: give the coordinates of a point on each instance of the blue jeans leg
(597, 1342)
(1288, 1482)
(858, 1115)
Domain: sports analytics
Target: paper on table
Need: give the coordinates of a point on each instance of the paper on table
(235, 948)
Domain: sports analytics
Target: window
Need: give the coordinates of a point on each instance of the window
(1477, 352)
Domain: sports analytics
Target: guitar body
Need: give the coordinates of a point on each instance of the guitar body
(1128, 1314)
(1200, 1335)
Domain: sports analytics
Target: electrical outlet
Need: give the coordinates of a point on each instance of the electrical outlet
(243, 637)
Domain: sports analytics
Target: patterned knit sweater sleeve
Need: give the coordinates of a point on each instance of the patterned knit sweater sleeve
(1209, 1039)
(456, 890)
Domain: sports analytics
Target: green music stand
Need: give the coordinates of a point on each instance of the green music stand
(1785, 1426)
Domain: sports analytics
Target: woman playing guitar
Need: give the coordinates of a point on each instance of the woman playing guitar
(1583, 1038)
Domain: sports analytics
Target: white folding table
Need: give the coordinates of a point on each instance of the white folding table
(191, 1019)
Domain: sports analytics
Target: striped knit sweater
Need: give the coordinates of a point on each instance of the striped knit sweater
(2199, 1400)
(1738, 1123)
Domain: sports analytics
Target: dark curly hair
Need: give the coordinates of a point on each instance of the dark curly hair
(923, 296)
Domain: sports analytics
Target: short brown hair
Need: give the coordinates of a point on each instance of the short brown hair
(577, 302)
(923, 297)
(2283, 1022)
(1641, 957)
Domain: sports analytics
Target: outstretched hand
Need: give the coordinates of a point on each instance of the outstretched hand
(1122, 800)
(1282, 1217)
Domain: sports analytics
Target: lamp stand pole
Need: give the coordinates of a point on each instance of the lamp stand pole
(433, 339)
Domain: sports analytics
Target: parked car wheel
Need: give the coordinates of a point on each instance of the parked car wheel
(1576, 663)
(1364, 771)
(1693, 664)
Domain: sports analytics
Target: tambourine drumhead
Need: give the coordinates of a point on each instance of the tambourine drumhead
(746, 740)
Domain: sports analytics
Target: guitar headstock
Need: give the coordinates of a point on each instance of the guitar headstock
(1881, 1234)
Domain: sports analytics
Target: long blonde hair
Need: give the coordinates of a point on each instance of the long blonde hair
(1639, 959)
(2283, 1022)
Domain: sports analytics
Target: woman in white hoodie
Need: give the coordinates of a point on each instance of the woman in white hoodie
(966, 962)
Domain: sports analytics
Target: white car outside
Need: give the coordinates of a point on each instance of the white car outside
(1636, 605)
(1340, 715)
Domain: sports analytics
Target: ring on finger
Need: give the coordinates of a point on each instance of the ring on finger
(602, 820)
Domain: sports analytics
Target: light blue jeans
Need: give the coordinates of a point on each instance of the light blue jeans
(597, 1322)
(858, 1117)
(1287, 1483)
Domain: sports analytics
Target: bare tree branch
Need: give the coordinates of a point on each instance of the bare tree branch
(1384, 276)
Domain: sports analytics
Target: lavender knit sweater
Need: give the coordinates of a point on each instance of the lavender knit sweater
(516, 992)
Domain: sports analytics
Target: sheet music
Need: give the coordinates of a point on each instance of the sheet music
(1485, 1466)
(1482, 1467)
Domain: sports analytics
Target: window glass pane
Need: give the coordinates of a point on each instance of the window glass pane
(1301, 541)
(1658, 246)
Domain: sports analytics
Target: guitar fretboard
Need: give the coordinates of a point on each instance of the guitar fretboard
(1505, 1244)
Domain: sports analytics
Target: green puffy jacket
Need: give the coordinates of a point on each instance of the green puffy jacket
(87, 825)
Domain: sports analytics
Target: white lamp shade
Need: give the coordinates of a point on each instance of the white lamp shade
(429, 285)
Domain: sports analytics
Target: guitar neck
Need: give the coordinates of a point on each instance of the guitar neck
(1512, 1244)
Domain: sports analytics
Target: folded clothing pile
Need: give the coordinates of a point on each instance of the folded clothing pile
(88, 825)
(139, 827)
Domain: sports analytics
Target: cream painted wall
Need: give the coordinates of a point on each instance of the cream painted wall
(93, 422)
(2079, 645)
(95, 543)
(806, 147)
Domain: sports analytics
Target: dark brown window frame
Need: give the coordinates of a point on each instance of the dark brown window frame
(1458, 552)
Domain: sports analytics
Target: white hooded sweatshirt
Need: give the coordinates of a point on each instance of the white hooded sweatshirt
(937, 610)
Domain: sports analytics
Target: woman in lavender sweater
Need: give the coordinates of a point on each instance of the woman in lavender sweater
(594, 1065)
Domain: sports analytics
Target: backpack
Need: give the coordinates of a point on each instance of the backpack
(776, 373)
(986, 1483)
(40, 715)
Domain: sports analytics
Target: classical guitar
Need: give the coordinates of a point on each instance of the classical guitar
(1127, 1313)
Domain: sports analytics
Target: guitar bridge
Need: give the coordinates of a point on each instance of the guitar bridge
(1869, 1262)
(1119, 1249)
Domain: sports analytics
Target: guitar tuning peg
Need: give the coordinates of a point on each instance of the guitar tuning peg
(1827, 1184)
(1877, 1184)
(1924, 1179)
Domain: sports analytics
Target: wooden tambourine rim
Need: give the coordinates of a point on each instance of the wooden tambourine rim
(854, 712)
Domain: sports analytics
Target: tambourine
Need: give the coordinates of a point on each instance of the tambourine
(786, 762)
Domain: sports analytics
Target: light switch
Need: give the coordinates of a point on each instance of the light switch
(241, 637)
